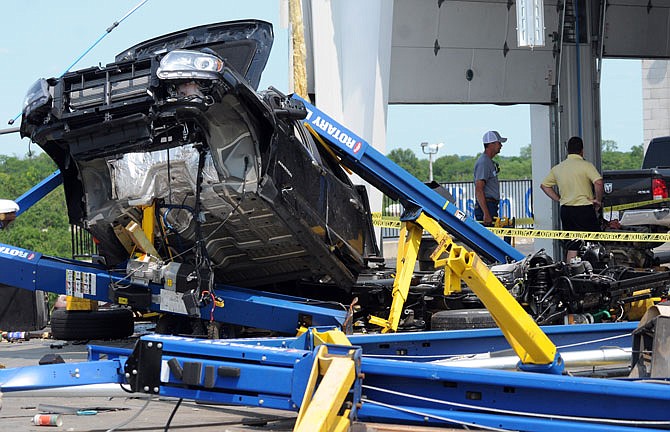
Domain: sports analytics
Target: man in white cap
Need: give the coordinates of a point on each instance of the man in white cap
(487, 187)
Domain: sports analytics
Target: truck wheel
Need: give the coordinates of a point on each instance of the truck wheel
(461, 319)
(86, 325)
(182, 325)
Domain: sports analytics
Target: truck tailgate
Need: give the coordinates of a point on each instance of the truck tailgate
(629, 186)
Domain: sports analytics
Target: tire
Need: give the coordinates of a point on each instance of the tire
(87, 325)
(461, 319)
(213, 330)
(181, 325)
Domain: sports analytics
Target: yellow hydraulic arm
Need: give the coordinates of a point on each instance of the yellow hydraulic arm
(524, 335)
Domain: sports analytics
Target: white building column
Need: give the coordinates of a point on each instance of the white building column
(350, 64)
(543, 139)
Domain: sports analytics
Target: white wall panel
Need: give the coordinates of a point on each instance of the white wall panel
(433, 48)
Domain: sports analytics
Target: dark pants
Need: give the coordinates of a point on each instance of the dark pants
(493, 210)
(579, 218)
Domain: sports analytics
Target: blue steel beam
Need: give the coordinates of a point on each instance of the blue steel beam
(488, 421)
(451, 388)
(282, 313)
(393, 391)
(382, 173)
(435, 345)
(420, 346)
(39, 191)
(275, 377)
(61, 375)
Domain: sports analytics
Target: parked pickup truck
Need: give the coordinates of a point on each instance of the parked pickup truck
(639, 198)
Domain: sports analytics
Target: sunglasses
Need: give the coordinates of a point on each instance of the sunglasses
(497, 166)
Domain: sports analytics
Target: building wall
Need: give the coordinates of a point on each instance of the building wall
(655, 99)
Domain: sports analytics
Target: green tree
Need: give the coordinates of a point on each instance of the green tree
(514, 167)
(609, 146)
(44, 227)
(408, 160)
(612, 159)
(453, 168)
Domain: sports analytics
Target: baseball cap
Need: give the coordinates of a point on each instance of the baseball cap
(492, 136)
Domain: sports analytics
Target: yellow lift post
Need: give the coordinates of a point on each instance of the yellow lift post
(334, 374)
(534, 348)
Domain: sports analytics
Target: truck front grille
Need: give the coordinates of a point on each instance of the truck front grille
(106, 88)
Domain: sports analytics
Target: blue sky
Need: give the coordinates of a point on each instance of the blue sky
(40, 40)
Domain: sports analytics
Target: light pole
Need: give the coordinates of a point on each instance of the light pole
(430, 150)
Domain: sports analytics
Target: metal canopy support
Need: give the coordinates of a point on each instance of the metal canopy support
(544, 135)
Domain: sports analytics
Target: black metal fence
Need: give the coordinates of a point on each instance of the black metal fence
(83, 246)
(516, 201)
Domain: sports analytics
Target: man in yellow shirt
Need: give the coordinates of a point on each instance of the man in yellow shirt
(576, 179)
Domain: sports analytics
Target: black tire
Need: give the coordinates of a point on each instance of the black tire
(87, 325)
(213, 330)
(461, 319)
(181, 325)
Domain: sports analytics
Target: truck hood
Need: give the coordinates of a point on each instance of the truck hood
(244, 45)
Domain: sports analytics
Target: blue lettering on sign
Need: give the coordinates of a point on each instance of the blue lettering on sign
(505, 208)
(509, 207)
(470, 207)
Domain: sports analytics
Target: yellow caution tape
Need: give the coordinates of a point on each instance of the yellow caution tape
(633, 205)
(385, 221)
(618, 236)
(583, 235)
(524, 221)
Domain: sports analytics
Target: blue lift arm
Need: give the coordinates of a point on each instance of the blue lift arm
(530, 343)
(39, 191)
(282, 313)
(382, 173)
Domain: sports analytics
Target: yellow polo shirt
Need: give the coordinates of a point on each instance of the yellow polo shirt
(574, 178)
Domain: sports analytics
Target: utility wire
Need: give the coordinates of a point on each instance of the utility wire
(109, 29)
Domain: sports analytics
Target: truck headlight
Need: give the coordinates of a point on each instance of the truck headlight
(181, 64)
(38, 97)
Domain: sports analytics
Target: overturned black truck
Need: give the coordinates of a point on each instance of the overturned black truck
(183, 171)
